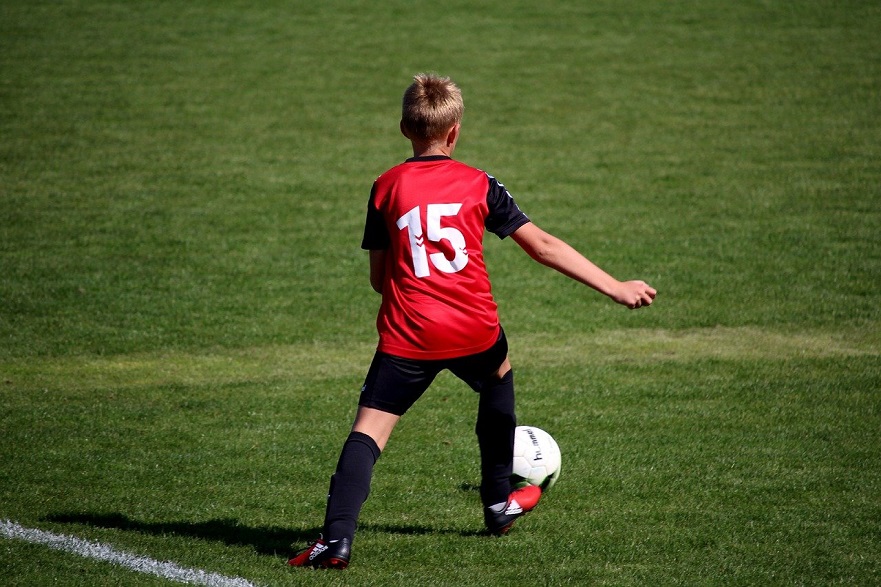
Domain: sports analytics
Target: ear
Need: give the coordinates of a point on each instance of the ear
(453, 135)
(404, 129)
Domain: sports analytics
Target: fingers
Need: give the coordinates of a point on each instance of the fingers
(644, 295)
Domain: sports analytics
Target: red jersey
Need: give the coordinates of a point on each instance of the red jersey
(430, 213)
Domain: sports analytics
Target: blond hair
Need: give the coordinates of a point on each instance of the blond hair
(431, 106)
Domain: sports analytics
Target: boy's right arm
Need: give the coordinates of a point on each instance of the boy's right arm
(377, 269)
(557, 254)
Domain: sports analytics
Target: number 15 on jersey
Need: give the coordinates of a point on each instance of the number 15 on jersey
(412, 221)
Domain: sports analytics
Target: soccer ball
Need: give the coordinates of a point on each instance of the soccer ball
(536, 458)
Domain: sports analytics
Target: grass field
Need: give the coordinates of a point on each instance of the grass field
(185, 318)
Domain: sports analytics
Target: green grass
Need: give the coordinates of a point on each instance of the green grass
(185, 318)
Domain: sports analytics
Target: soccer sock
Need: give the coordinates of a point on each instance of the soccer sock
(495, 435)
(350, 486)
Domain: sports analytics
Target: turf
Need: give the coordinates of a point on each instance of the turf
(185, 318)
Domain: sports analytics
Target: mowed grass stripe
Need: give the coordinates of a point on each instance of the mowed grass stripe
(324, 360)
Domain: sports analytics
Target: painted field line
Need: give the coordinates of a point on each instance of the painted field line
(102, 552)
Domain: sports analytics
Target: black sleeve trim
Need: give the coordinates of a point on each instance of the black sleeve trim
(376, 236)
(505, 216)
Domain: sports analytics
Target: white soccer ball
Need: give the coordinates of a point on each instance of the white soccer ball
(537, 458)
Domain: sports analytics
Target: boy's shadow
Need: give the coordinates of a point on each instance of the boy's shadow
(266, 540)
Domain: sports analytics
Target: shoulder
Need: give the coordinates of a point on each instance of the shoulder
(391, 173)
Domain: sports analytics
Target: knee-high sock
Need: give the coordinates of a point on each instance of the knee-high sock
(495, 435)
(350, 486)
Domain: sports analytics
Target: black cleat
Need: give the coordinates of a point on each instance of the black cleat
(520, 502)
(321, 554)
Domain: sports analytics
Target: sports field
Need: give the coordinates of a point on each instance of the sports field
(185, 316)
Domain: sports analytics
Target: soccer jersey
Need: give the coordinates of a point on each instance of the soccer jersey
(430, 213)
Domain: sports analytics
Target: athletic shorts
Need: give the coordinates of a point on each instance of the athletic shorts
(393, 384)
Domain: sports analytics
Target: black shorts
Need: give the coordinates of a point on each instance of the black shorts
(393, 384)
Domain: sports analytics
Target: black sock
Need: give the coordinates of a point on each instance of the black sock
(350, 486)
(495, 435)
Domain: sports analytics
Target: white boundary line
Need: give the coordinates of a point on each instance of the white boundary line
(102, 552)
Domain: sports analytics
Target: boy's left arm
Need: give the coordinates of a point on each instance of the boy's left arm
(557, 254)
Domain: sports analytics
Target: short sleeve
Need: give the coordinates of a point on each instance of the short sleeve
(376, 235)
(505, 216)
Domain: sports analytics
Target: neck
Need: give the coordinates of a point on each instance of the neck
(430, 150)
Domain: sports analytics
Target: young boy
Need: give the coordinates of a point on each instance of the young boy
(425, 223)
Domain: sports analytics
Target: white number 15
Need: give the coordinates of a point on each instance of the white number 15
(412, 220)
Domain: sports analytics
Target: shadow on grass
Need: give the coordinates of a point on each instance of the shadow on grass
(266, 540)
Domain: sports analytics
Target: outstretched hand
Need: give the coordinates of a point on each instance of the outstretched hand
(635, 294)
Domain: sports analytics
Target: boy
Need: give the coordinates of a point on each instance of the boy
(424, 231)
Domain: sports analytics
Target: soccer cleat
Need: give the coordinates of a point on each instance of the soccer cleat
(321, 554)
(520, 502)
